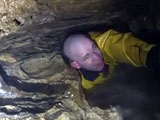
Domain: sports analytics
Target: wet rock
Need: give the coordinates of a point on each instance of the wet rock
(43, 67)
(35, 82)
(16, 14)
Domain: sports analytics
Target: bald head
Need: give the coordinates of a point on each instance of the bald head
(83, 52)
(73, 42)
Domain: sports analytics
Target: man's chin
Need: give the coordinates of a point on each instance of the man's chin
(99, 67)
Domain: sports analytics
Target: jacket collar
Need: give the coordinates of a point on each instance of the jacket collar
(92, 75)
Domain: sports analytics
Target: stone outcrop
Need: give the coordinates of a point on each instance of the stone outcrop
(35, 83)
(15, 14)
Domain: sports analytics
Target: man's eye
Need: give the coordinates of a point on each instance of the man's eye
(86, 57)
(93, 46)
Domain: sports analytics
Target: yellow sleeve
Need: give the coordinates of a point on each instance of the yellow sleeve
(118, 47)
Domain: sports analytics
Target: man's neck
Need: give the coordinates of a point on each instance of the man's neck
(92, 75)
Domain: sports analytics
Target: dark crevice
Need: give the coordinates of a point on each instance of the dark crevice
(27, 105)
(19, 23)
(36, 87)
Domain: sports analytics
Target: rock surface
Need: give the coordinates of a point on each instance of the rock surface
(35, 83)
(15, 14)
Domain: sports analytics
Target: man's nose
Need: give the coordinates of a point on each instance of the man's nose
(95, 56)
(96, 53)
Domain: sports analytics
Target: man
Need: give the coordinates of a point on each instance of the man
(96, 55)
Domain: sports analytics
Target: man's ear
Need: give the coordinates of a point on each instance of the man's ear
(75, 65)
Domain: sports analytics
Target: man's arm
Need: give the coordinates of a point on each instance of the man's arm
(123, 48)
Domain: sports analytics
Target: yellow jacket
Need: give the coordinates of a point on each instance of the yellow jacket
(118, 48)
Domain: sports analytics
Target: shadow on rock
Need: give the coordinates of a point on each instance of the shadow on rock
(135, 90)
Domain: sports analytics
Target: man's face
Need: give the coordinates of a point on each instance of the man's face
(87, 55)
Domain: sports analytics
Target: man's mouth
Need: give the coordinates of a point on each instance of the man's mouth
(99, 64)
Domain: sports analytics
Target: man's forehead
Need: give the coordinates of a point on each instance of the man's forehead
(81, 48)
(77, 45)
(82, 40)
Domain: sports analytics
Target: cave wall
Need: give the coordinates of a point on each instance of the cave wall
(16, 13)
(35, 81)
(141, 17)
